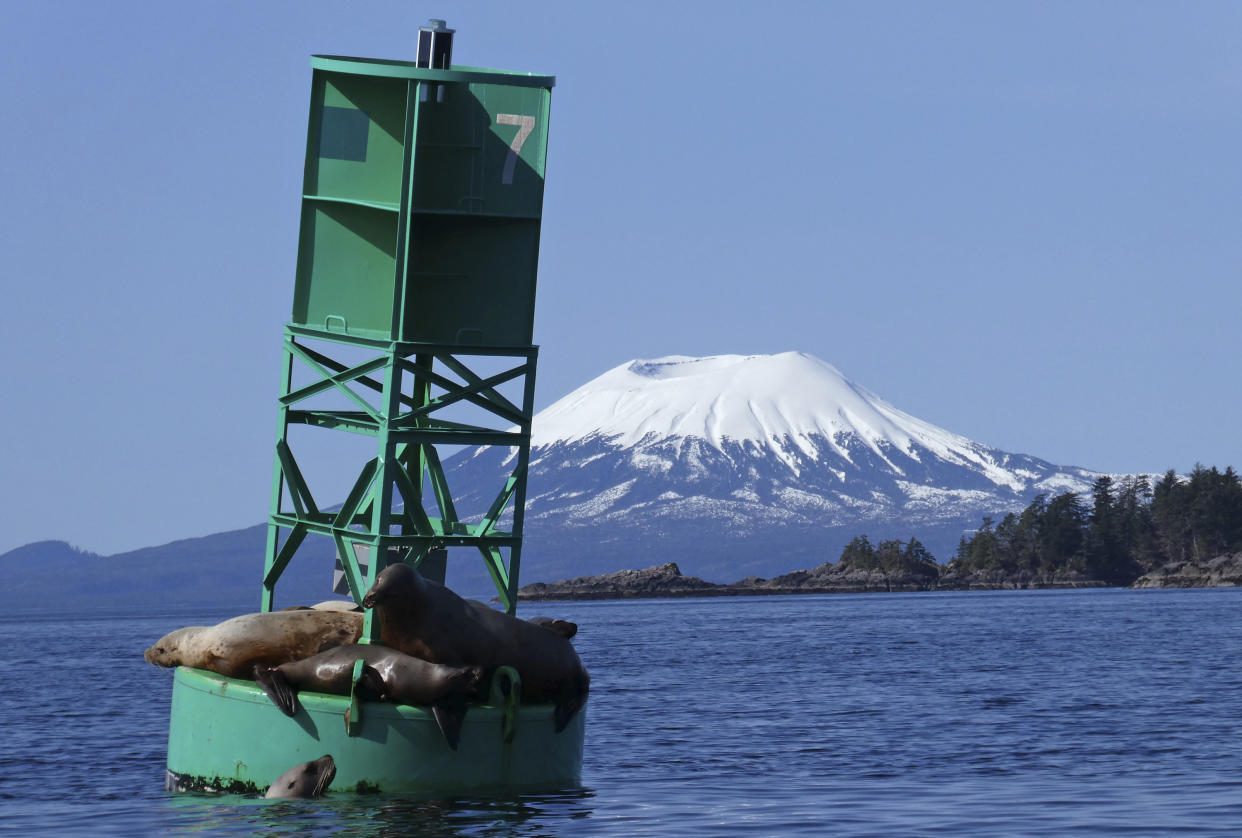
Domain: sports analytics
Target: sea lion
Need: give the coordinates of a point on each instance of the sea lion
(310, 779)
(327, 605)
(429, 621)
(564, 628)
(234, 646)
(389, 675)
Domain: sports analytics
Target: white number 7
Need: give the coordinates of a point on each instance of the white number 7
(525, 124)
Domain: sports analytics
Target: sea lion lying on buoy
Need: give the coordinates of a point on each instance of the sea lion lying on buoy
(429, 621)
(564, 628)
(388, 675)
(310, 779)
(234, 646)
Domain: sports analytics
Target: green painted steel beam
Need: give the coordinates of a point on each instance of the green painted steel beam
(439, 487)
(485, 388)
(410, 70)
(498, 505)
(357, 494)
(452, 533)
(405, 348)
(456, 391)
(413, 500)
(471, 394)
(336, 380)
(299, 492)
(346, 420)
(500, 577)
(292, 542)
(429, 431)
(461, 437)
(349, 564)
(306, 358)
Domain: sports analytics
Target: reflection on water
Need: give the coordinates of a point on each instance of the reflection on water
(355, 814)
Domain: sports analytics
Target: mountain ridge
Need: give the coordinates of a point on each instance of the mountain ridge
(730, 465)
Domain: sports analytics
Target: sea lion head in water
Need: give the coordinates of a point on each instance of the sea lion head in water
(310, 779)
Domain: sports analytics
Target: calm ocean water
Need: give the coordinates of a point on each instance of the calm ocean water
(1006, 713)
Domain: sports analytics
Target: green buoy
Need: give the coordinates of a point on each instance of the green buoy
(417, 259)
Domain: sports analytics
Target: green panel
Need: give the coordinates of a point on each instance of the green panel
(347, 262)
(481, 148)
(228, 729)
(355, 148)
(515, 148)
(471, 281)
(468, 240)
(448, 159)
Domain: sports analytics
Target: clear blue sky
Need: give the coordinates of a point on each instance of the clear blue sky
(1018, 221)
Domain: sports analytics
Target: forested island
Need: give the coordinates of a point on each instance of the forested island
(1175, 532)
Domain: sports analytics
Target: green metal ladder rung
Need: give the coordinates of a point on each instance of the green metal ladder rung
(458, 437)
(354, 421)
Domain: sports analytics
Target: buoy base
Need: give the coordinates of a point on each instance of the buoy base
(226, 735)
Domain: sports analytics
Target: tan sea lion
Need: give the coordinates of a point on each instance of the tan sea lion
(310, 779)
(429, 621)
(234, 646)
(389, 675)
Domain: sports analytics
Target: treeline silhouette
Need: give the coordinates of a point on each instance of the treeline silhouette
(1124, 529)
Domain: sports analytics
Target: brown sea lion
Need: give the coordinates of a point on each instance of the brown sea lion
(389, 675)
(429, 621)
(234, 646)
(310, 779)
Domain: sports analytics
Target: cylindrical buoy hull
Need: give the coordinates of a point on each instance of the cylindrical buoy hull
(225, 734)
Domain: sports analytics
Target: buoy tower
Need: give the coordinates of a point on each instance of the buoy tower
(414, 297)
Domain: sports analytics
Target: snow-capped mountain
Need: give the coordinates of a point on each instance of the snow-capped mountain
(737, 465)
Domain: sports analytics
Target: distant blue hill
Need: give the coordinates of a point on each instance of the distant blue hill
(216, 571)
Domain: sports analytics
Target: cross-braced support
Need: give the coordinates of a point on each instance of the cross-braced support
(385, 508)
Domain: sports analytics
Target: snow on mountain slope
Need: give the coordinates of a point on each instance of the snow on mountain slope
(744, 463)
(771, 400)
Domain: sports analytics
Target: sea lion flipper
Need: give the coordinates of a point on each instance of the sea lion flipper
(282, 694)
(372, 685)
(450, 713)
(570, 702)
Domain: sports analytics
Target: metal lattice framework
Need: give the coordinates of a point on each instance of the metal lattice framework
(385, 508)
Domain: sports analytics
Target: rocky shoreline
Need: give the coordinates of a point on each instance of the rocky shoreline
(1220, 572)
(667, 581)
